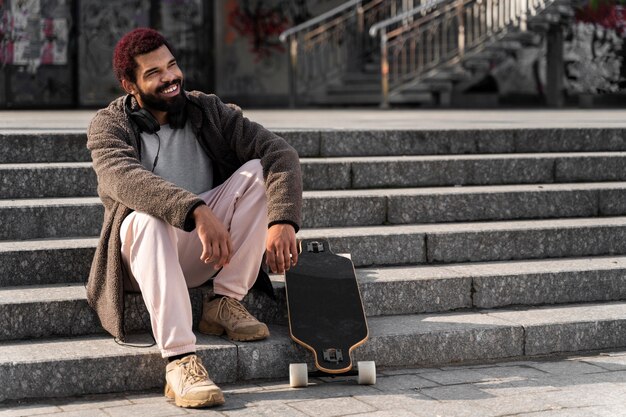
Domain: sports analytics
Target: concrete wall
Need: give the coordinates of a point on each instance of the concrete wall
(183, 22)
(251, 63)
(57, 53)
(35, 52)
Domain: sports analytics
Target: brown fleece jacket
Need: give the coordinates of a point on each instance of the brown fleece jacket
(227, 137)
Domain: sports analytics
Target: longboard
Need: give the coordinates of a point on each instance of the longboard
(325, 309)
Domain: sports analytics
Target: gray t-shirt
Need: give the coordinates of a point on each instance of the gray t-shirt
(182, 160)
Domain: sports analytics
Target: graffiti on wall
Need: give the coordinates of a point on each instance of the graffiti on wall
(594, 49)
(593, 54)
(101, 28)
(34, 52)
(592, 59)
(253, 60)
(182, 22)
(34, 33)
(183, 25)
(260, 24)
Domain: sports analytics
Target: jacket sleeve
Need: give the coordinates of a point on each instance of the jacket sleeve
(122, 178)
(280, 161)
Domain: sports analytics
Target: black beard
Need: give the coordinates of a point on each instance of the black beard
(173, 105)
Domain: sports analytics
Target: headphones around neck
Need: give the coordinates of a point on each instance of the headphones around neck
(146, 122)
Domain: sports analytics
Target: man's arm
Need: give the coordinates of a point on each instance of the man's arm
(283, 180)
(281, 248)
(216, 242)
(122, 177)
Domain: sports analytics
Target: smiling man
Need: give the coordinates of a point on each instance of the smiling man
(192, 190)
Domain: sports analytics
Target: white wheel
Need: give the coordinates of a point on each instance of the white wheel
(298, 375)
(367, 372)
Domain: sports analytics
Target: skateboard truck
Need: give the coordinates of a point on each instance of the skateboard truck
(333, 355)
(315, 247)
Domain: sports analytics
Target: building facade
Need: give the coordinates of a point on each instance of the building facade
(57, 53)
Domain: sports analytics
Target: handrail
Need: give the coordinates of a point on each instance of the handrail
(450, 31)
(428, 5)
(312, 22)
(324, 49)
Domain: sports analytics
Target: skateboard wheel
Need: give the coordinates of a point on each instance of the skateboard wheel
(367, 372)
(298, 375)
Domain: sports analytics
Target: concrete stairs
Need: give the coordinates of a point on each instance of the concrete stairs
(449, 84)
(470, 246)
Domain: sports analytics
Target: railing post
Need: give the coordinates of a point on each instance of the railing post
(489, 16)
(293, 70)
(461, 18)
(554, 66)
(360, 37)
(384, 71)
(524, 16)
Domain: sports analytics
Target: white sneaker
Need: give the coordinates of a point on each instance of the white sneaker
(188, 383)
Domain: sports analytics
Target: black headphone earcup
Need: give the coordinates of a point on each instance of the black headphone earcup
(145, 121)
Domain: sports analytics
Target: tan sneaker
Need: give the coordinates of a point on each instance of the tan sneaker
(188, 384)
(227, 314)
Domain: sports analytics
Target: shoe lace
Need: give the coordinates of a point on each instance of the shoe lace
(230, 307)
(195, 371)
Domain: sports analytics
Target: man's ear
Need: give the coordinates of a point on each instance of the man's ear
(129, 86)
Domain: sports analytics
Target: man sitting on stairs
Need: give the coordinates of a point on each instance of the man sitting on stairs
(191, 190)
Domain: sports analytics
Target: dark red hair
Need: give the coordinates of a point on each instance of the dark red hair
(136, 42)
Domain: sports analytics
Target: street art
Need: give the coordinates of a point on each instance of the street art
(593, 54)
(101, 28)
(260, 24)
(34, 53)
(182, 23)
(34, 34)
(255, 61)
(592, 59)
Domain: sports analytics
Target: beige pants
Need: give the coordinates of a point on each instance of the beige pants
(164, 261)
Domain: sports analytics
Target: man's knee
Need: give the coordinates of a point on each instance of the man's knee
(146, 222)
(254, 171)
(253, 168)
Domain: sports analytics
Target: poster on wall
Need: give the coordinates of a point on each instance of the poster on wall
(34, 52)
(34, 35)
(55, 33)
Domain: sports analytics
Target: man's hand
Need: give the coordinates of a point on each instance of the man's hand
(216, 244)
(281, 248)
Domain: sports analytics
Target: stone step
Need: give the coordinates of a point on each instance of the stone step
(65, 367)
(442, 170)
(70, 146)
(62, 310)
(63, 217)
(43, 146)
(50, 218)
(78, 179)
(452, 204)
(49, 261)
(53, 180)
(68, 260)
(477, 241)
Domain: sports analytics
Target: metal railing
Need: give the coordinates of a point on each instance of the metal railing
(442, 32)
(324, 48)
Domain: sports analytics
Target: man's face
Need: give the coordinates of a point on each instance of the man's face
(159, 81)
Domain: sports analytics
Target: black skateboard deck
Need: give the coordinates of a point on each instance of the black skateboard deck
(325, 308)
